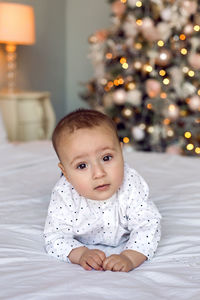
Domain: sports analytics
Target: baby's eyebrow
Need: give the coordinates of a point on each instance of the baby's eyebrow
(84, 155)
(106, 149)
(78, 157)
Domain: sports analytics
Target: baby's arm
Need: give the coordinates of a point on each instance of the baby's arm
(59, 236)
(144, 226)
(125, 261)
(58, 232)
(87, 258)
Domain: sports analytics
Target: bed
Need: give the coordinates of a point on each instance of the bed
(28, 173)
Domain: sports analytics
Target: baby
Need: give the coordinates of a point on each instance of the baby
(99, 215)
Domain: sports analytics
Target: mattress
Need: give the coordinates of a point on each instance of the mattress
(28, 174)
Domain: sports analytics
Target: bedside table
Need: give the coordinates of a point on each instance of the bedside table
(27, 115)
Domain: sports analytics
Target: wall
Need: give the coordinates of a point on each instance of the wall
(82, 19)
(58, 61)
(42, 66)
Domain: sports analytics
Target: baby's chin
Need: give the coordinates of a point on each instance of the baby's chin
(100, 196)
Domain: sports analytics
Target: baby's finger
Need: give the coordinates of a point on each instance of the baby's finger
(108, 263)
(101, 254)
(118, 267)
(91, 262)
(86, 266)
(105, 262)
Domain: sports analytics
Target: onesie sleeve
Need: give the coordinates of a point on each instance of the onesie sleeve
(143, 218)
(58, 232)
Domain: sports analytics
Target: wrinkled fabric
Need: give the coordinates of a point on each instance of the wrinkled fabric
(27, 174)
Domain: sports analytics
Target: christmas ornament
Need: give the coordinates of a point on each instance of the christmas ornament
(194, 103)
(188, 29)
(172, 112)
(197, 18)
(147, 24)
(153, 88)
(130, 27)
(164, 31)
(137, 65)
(149, 31)
(166, 14)
(163, 58)
(134, 97)
(119, 96)
(188, 89)
(132, 3)
(188, 7)
(194, 61)
(118, 8)
(138, 133)
(101, 35)
(146, 72)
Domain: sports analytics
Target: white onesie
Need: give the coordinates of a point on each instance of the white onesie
(127, 220)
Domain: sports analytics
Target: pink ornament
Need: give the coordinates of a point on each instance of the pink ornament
(118, 8)
(147, 24)
(153, 88)
(188, 29)
(194, 103)
(149, 31)
(152, 35)
(189, 7)
(101, 35)
(197, 19)
(194, 61)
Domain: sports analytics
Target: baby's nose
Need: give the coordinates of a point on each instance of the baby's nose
(98, 171)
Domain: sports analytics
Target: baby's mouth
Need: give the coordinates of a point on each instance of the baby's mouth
(102, 187)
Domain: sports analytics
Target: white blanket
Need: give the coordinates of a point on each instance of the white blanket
(27, 174)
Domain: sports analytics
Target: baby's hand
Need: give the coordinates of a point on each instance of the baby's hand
(118, 262)
(92, 259)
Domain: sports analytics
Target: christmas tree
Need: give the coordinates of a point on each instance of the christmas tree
(146, 74)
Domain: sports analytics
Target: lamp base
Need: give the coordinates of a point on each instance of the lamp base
(11, 67)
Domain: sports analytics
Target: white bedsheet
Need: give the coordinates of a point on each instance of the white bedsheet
(27, 175)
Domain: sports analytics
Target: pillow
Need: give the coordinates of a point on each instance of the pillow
(3, 134)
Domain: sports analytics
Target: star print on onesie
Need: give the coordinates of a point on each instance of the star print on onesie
(127, 220)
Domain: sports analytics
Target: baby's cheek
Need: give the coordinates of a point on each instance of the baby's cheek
(118, 175)
(81, 187)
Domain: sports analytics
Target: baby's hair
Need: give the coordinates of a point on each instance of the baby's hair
(78, 119)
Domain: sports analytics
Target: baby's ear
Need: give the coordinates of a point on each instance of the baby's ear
(62, 169)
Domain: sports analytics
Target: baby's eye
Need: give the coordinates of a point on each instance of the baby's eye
(81, 166)
(107, 157)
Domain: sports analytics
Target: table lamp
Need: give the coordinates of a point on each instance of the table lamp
(17, 27)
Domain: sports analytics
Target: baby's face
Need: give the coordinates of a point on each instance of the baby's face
(92, 161)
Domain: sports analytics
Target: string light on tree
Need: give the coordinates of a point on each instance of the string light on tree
(147, 74)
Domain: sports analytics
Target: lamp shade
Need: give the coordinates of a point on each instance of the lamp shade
(17, 24)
